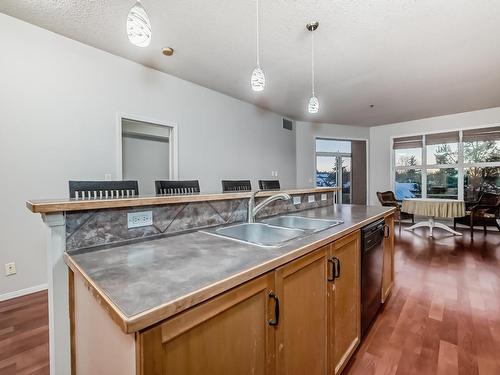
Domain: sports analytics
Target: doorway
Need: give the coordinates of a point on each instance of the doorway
(334, 168)
(146, 153)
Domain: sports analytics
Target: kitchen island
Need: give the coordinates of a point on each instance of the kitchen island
(192, 303)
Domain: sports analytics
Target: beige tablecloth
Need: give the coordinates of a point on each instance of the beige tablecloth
(446, 208)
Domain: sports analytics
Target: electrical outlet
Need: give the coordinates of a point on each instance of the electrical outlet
(323, 197)
(10, 269)
(297, 200)
(107, 177)
(275, 173)
(139, 219)
(311, 199)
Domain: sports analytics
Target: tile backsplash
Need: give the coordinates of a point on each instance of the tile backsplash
(88, 229)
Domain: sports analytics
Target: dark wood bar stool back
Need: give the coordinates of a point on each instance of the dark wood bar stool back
(236, 185)
(177, 187)
(103, 189)
(269, 185)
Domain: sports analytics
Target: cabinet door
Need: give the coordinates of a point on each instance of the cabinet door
(388, 271)
(301, 334)
(227, 335)
(344, 301)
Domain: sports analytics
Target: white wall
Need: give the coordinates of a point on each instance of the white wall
(59, 101)
(380, 140)
(306, 133)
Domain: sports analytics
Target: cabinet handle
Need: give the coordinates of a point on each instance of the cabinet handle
(387, 231)
(335, 274)
(332, 273)
(337, 267)
(275, 321)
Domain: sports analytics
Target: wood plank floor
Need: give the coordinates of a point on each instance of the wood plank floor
(444, 313)
(24, 335)
(443, 316)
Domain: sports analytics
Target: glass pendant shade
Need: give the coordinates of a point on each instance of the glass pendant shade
(258, 80)
(138, 26)
(313, 106)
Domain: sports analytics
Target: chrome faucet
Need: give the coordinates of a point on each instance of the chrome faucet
(253, 209)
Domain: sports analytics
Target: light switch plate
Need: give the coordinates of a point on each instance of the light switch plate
(297, 200)
(139, 219)
(310, 199)
(323, 197)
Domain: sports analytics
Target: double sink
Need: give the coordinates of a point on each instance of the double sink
(275, 231)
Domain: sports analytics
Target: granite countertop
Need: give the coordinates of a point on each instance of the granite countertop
(146, 282)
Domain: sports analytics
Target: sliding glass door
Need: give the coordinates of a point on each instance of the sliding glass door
(334, 166)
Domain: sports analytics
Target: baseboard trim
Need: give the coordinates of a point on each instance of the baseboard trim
(23, 292)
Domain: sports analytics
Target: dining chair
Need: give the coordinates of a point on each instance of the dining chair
(388, 199)
(484, 212)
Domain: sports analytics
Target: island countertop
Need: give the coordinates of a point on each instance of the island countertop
(143, 283)
(45, 206)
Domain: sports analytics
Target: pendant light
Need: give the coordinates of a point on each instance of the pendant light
(258, 80)
(138, 26)
(313, 106)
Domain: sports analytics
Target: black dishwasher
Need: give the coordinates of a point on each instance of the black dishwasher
(372, 258)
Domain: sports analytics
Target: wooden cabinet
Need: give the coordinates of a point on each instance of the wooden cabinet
(303, 317)
(301, 335)
(227, 335)
(344, 302)
(388, 271)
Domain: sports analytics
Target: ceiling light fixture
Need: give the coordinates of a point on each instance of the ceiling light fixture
(313, 106)
(258, 80)
(138, 26)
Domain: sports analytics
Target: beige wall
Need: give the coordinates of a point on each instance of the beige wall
(59, 101)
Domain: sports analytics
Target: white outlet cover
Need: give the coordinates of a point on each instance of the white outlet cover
(297, 200)
(10, 269)
(323, 197)
(311, 199)
(139, 219)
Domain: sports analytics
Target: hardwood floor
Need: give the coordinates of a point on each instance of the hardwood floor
(444, 314)
(24, 335)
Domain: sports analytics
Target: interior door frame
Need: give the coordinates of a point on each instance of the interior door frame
(173, 143)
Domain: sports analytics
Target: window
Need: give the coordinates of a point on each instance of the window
(408, 162)
(451, 165)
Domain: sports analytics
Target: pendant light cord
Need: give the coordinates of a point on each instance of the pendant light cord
(258, 32)
(312, 60)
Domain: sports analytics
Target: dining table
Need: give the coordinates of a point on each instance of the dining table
(434, 208)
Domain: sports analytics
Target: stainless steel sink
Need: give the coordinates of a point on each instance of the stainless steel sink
(259, 234)
(299, 222)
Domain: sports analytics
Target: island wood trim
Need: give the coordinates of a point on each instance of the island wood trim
(68, 205)
(154, 315)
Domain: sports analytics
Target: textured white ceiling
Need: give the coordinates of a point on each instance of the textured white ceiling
(410, 58)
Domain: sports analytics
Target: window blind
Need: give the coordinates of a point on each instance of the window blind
(407, 142)
(439, 138)
(483, 134)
